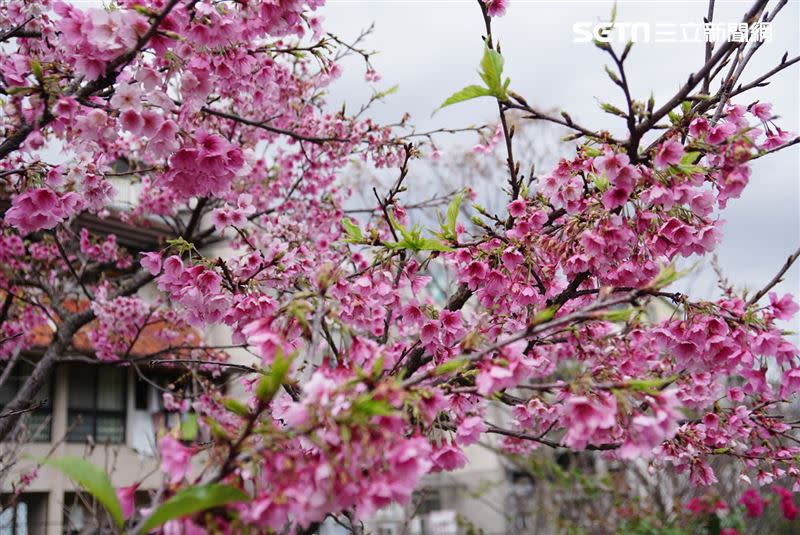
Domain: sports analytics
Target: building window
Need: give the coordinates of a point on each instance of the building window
(97, 399)
(38, 420)
(24, 514)
(14, 520)
(428, 500)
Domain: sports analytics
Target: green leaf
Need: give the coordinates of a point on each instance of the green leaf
(689, 169)
(601, 183)
(36, 69)
(20, 90)
(235, 406)
(189, 427)
(690, 158)
(613, 110)
(377, 367)
(468, 93)
(272, 381)
(650, 386)
(193, 500)
(674, 117)
(217, 430)
(449, 230)
(352, 230)
(143, 10)
(181, 245)
(450, 366)
(385, 93)
(611, 74)
(430, 244)
(545, 315)
(666, 276)
(492, 72)
(619, 315)
(372, 407)
(713, 525)
(93, 480)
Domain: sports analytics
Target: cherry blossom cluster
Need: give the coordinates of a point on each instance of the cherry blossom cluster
(212, 116)
(119, 322)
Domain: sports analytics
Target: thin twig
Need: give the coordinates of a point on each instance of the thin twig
(776, 279)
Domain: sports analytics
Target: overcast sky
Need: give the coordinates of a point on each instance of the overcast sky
(432, 48)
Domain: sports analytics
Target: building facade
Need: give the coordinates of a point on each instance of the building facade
(105, 414)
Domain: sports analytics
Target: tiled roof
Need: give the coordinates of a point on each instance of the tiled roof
(151, 340)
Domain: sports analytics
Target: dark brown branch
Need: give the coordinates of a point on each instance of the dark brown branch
(18, 31)
(23, 410)
(240, 367)
(696, 77)
(541, 116)
(776, 279)
(269, 128)
(416, 358)
(65, 257)
(709, 46)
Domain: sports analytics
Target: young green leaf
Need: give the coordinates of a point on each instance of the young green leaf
(271, 382)
(650, 386)
(192, 500)
(189, 427)
(665, 277)
(352, 230)
(377, 367)
(601, 182)
(545, 315)
(690, 158)
(452, 217)
(450, 366)
(619, 315)
(468, 93)
(492, 72)
(613, 110)
(235, 406)
(385, 93)
(365, 406)
(36, 69)
(430, 244)
(93, 480)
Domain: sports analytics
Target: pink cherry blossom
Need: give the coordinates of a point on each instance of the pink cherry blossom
(754, 503)
(126, 496)
(470, 430)
(784, 308)
(40, 209)
(668, 153)
(762, 110)
(175, 458)
(496, 8)
(448, 458)
(179, 186)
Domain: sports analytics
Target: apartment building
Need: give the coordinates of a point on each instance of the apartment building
(106, 413)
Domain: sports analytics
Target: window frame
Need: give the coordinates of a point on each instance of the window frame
(94, 412)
